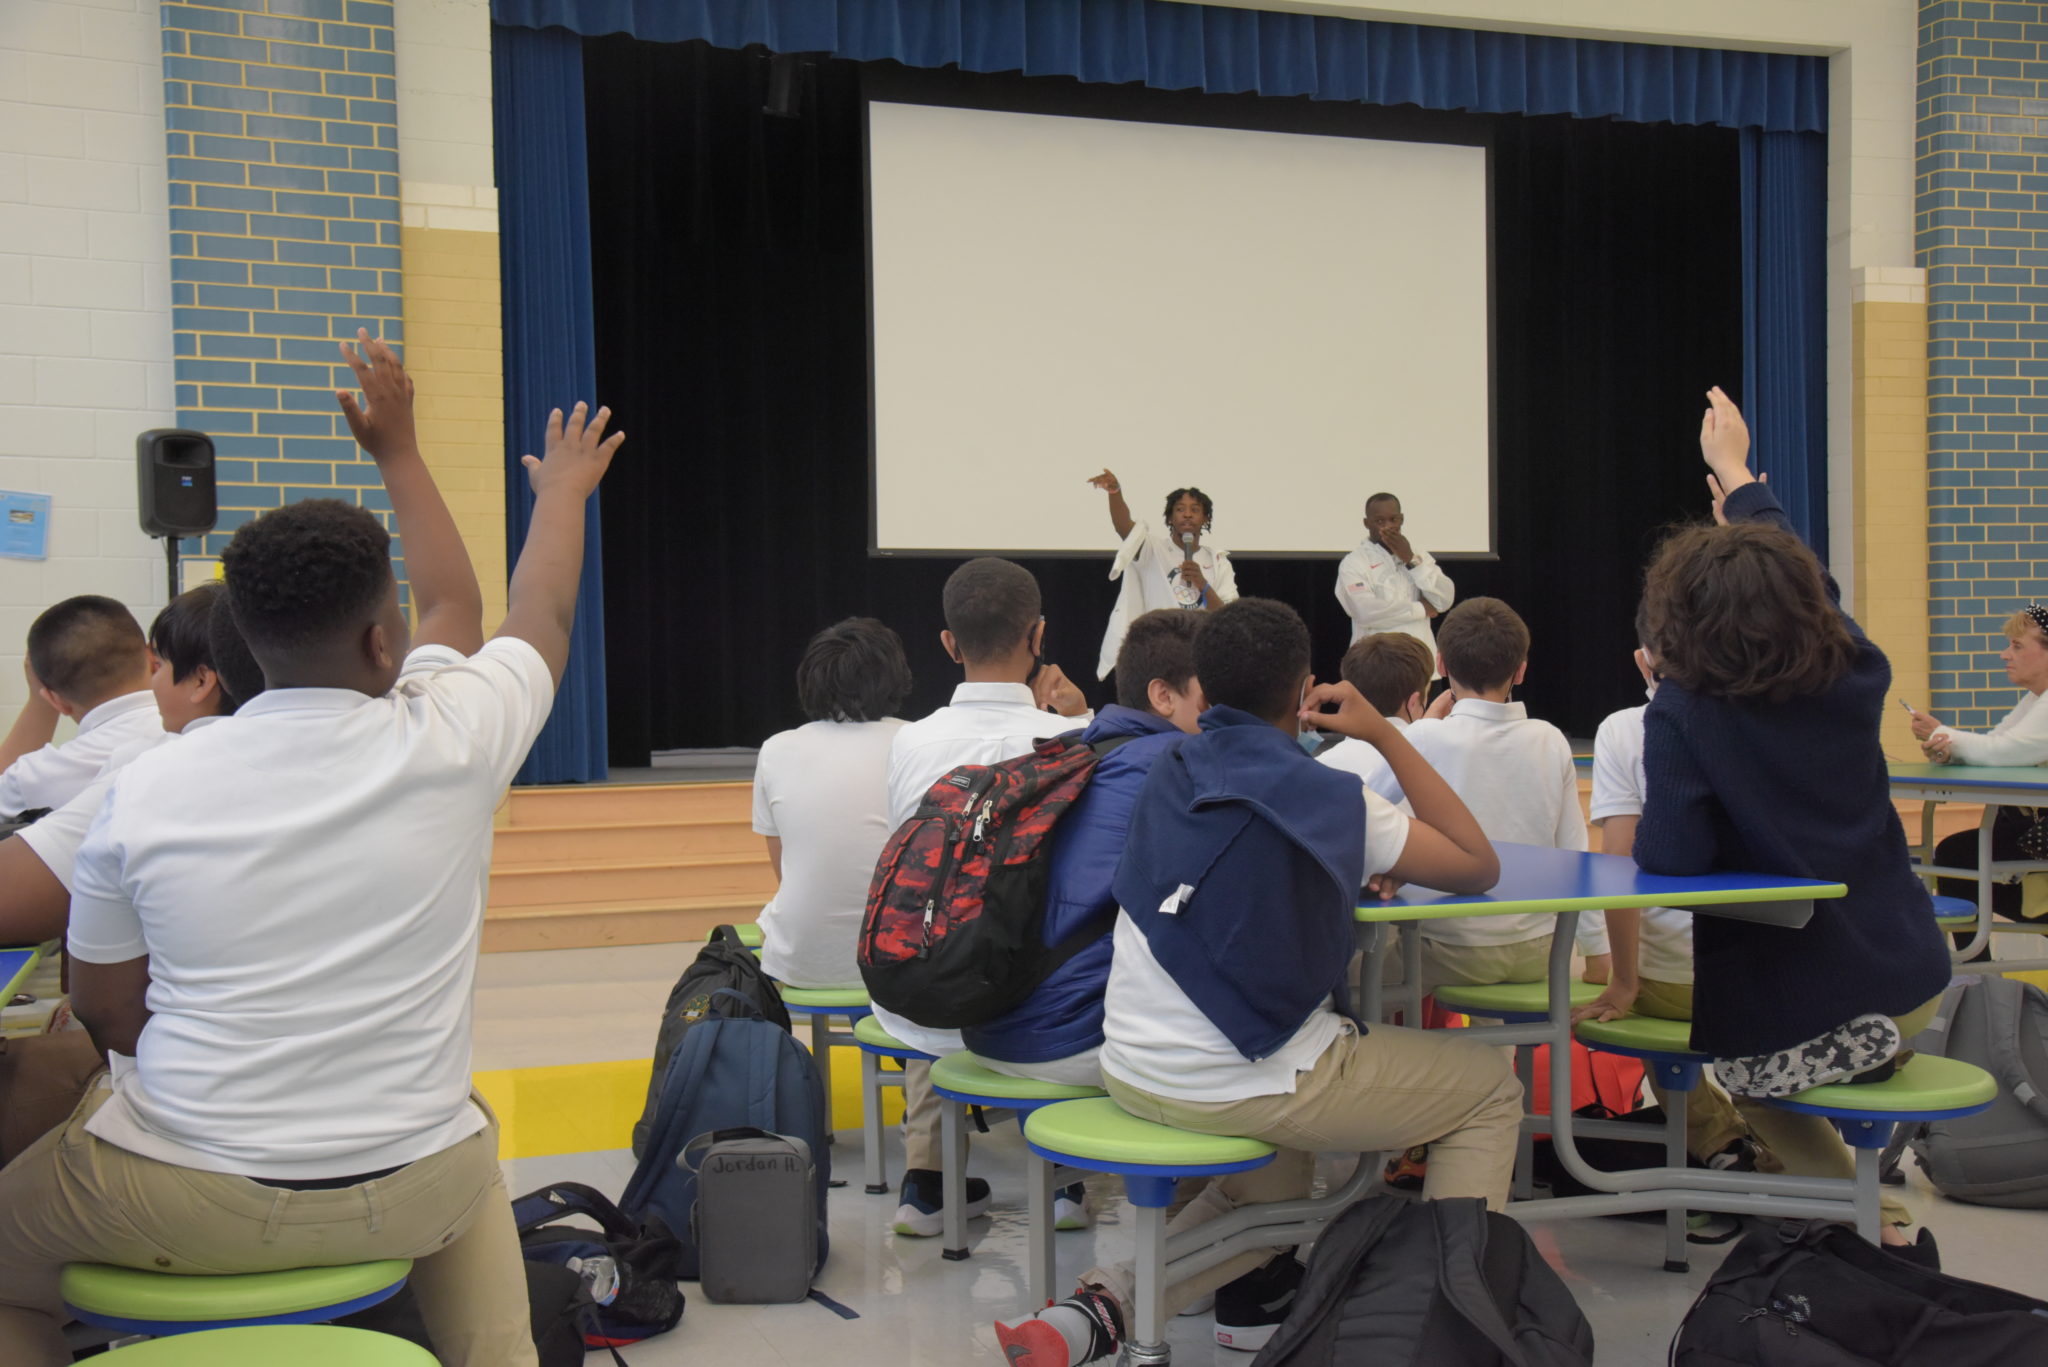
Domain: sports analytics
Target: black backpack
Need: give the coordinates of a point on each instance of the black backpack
(556, 1302)
(647, 1257)
(724, 964)
(1816, 1295)
(1397, 1283)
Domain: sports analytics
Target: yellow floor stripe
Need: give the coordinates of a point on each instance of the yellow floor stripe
(581, 1107)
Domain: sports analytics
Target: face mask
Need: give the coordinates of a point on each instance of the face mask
(1310, 741)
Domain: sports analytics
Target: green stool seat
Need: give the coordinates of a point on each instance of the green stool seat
(870, 1032)
(1641, 1034)
(749, 933)
(1927, 1083)
(270, 1345)
(160, 1302)
(1957, 922)
(1509, 999)
(965, 1075)
(824, 998)
(1100, 1131)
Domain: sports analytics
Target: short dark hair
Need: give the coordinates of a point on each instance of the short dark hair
(1483, 641)
(1743, 611)
(853, 671)
(990, 606)
(1252, 654)
(84, 646)
(1388, 667)
(1159, 645)
(241, 678)
(1383, 498)
(181, 634)
(1208, 508)
(301, 574)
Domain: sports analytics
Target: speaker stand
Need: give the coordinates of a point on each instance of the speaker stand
(171, 565)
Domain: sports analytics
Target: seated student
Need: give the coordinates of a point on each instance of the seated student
(1653, 945)
(1393, 671)
(1516, 775)
(1055, 1034)
(1761, 752)
(995, 633)
(275, 927)
(87, 660)
(1218, 1031)
(43, 1076)
(821, 800)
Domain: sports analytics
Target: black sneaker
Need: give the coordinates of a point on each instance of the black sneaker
(1868, 1042)
(921, 1214)
(1250, 1309)
(1923, 1251)
(1739, 1156)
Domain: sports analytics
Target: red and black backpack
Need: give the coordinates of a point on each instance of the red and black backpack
(954, 931)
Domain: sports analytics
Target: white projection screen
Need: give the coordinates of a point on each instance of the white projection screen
(1288, 321)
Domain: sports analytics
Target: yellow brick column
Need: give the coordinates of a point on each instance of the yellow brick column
(1890, 447)
(455, 350)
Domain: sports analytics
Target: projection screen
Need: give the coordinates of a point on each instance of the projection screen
(1288, 321)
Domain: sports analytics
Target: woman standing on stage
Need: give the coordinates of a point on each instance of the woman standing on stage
(1169, 566)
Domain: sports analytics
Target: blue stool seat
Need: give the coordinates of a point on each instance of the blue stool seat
(875, 1044)
(1954, 913)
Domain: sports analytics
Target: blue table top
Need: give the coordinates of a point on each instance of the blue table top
(15, 966)
(1537, 878)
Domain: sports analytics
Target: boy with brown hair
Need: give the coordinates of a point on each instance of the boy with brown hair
(1392, 671)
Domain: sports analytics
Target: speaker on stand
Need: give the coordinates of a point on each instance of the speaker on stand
(174, 489)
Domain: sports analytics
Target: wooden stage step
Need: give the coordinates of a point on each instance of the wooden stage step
(621, 864)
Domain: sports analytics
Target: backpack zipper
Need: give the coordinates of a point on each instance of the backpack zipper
(945, 871)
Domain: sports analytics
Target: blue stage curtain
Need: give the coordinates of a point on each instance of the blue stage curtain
(1784, 312)
(1223, 50)
(550, 348)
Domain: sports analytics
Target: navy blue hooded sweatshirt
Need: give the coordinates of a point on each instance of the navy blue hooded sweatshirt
(1063, 1017)
(1243, 869)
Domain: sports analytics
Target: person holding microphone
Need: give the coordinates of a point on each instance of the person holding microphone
(1168, 566)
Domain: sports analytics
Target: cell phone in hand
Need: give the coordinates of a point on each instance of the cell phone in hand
(1908, 706)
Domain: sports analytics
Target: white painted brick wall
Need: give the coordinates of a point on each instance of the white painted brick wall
(85, 298)
(444, 95)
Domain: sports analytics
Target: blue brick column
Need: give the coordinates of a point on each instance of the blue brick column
(283, 159)
(1982, 221)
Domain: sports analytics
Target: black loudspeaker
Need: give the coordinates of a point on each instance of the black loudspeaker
(174, 488)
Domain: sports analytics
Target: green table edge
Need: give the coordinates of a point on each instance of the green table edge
(1380, 912)
(134, 1293)
(36, 955)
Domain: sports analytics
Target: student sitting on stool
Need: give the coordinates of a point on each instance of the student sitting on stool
(1393, 671)
(87, 660)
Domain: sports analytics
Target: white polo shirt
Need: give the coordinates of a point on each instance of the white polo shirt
(1379, 593)
(1357, 757)
(1664, 949)
(1515, 775)
(53, 775)
(308, 882)
(822, 790)
(984, 723)
(56, 838)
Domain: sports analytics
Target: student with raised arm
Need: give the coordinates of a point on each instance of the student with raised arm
(277, 921)
(1761, 753)
(1213, 1029)
(1167, 566)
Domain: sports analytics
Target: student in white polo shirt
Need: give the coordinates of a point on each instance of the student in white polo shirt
(276, 922)
(1010, 701)
(1392, 671)
(1516, 775)
(87, 660)
(821, 802)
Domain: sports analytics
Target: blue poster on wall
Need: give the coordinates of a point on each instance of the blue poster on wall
(24, 526)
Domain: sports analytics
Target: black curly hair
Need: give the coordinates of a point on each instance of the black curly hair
(1208, 508)
(301, 574)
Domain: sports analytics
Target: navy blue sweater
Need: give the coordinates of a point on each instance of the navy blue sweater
(1063, 1015)
(1799, 788)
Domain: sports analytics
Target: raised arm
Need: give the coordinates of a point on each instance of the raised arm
(33, 728)
(1119, 511)
(444, 587)
(541, 600)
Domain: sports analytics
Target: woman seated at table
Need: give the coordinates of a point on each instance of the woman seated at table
(2021, 739)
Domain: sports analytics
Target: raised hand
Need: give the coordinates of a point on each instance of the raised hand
(1354, 717)
(1718, 498)
(1724, 442)
(1441, 708)
(1397, 545)
(1107, 482)
(381, 421)
(1052, 688)
(578, 452)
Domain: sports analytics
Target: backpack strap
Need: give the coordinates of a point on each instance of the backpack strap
(1461, 1281)
(563, 1199)
(692, 1060)
(745, 1008)
(2005, 1002)
(694, 1150)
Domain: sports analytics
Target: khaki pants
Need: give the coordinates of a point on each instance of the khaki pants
(1444, 964)
(1390, 1089)
(1804, 1145)
(75, 1198)
(42, 1078)
(1711, 1120)
(923, 1112)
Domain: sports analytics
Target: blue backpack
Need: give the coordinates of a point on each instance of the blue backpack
(733, 1068)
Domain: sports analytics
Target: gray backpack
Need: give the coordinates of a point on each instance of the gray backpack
(755, 1221)
(1997, 1157)
(1398, 1283)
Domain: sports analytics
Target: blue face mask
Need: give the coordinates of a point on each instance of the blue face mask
(1311, 741)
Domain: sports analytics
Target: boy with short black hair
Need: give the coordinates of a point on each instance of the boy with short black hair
(1222, 1032)
(290, 907)
(995, 633)
(1517, 776)
(1392, 671)
(87, 660)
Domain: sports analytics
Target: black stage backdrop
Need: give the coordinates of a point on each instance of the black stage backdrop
(730, 285)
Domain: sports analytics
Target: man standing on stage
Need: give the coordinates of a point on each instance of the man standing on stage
(1388, 585)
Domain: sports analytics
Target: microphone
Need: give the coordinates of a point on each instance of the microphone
(1187, 544)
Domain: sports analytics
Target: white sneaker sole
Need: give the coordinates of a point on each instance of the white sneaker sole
(916, 1224)
(1071, 1215)
(1248, 1338)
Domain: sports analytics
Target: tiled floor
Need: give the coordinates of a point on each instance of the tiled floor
(918, 1310)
